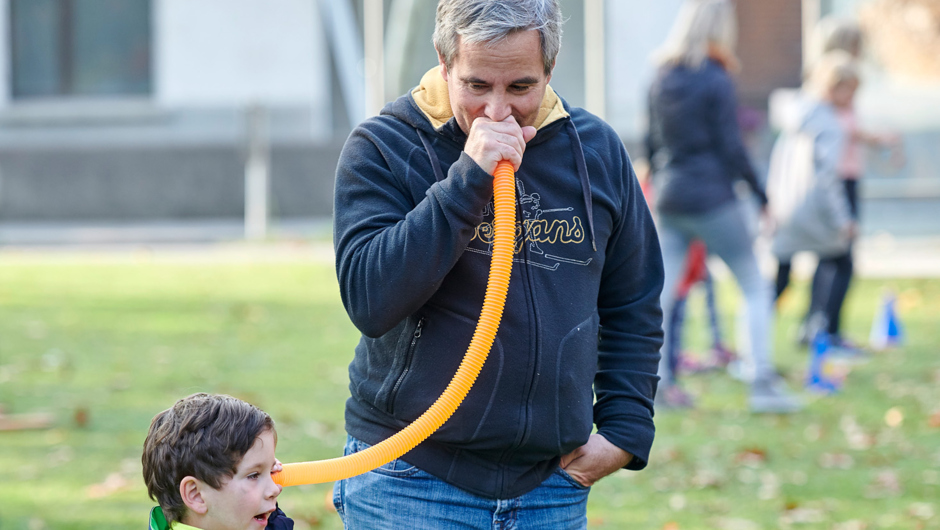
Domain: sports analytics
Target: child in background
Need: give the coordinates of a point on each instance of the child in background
(833, 275)
(697, 272)
(208, 462)
(807, 197)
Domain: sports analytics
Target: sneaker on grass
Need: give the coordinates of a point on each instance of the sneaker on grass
(846, 351)
(770, 395)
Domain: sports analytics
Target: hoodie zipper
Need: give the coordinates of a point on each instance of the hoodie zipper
(407, 368)
(534, 379)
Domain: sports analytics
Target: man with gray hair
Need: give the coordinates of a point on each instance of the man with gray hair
(578, 344)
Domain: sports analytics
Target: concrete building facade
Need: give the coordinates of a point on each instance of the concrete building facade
(160, 130)
(134, 110)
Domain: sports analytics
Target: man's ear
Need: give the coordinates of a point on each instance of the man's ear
(443, 66)
(549, 78)
(191, 492)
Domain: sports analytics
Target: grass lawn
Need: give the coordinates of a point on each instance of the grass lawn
(105, 344)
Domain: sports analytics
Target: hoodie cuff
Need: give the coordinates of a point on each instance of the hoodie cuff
(466, 190)
(633, 434)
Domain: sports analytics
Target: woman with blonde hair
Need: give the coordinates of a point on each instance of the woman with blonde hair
(696, 153)
(704, 29)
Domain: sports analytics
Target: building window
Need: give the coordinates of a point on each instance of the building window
(80, 48)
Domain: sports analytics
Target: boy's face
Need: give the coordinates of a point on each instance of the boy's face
(248, 498)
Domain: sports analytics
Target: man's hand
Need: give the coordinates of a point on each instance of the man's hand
(491, 141)
(594, 460)
(278, 467)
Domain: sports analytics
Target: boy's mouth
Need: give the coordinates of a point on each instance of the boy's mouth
(262, 517)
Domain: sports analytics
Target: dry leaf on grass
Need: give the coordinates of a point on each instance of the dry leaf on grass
(885, 484)
(677, 502)
(921, 510)
(934, 420)
(853, 524)
(736, 523)
(706, 478)
(751, 457)
(836, 461)
(856, 437)
(769, 486)
(81, 417)
(670, 454)
(662, 484)
(802, 516)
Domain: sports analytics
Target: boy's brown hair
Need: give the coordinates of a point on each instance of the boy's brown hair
(204, 436)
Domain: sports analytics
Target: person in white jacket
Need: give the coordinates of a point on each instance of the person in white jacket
(806, 196)
(834, 275)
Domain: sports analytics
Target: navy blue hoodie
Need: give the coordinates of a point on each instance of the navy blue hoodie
(694, 142)
(412, 233)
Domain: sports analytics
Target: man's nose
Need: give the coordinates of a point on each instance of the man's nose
(498, 108)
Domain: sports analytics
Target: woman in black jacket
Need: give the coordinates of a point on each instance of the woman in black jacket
(696, 153)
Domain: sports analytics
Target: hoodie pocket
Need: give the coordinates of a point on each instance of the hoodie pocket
(434, 354)
(575, 370)
(406, 366)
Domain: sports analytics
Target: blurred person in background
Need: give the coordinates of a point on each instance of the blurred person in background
(696, 154)
(808, 199)
(695, 271)
(834, 274)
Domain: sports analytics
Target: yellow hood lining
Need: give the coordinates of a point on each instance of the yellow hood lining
(433, 99)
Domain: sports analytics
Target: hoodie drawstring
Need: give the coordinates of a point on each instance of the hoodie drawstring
(583, 175)
(435, 163)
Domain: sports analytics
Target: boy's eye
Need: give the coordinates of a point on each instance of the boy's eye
(253, 476)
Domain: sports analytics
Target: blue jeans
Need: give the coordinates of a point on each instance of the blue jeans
(399, 495)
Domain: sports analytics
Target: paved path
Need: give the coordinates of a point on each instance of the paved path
(877, 256)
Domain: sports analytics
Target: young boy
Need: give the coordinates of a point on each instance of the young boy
(208, 462)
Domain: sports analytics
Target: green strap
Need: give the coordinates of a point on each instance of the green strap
(157, 520)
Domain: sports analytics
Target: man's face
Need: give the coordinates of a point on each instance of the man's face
(248, 498)
(497, 80)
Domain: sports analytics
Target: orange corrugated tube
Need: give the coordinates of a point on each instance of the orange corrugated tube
(504, 192)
